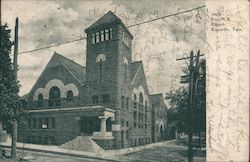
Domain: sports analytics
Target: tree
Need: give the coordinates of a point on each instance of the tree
(179, 101)
(10, 106)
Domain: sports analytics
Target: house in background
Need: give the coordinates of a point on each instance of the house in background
(159, 118)
(107, 101)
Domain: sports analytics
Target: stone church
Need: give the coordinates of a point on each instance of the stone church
(107, 101)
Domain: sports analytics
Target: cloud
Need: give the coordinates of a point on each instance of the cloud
(157, 43)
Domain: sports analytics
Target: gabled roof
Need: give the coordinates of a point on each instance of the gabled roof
(77, 70)
(134, 68)
(156, 98)
(107, 18)
(24, 97)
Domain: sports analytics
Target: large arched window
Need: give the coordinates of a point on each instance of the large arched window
(141, 101)
(54, 97)
(40, 100)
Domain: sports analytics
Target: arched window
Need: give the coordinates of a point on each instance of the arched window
(70, 95)
(40, 100)
(102, 36)
(146, 105)
(141, 101)
(110, 33)
(125, 61)
(97, 37)
(40, 97)
(141, 98)
(100, 59)
(93, 38)
(123, 102)
(135, 99)
(54, 97)
(106, 34)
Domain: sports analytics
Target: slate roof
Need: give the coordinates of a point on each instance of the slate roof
(156, 98)
(24, 97)
(134, 68)
(107, 18)
(76, 69)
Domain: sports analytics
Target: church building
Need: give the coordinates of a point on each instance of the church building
(107, 101)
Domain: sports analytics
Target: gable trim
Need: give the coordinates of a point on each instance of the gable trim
(40, 76)
(72, 74)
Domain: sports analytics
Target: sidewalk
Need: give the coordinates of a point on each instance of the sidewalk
(112, 155)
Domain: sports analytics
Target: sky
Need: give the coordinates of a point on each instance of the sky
(158, 44)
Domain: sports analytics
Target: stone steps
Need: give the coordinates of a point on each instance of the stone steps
(196, 142)
(82, 143)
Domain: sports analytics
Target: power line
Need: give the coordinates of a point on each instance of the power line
(37, 49)
(165, 16)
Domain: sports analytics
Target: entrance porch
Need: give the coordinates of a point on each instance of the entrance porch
(100, 127)
(69, 123)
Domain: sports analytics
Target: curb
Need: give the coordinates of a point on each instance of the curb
(61, 153)
(115, 155)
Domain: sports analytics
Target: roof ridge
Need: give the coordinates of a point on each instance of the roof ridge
(72, 73)
(55, 53)
(155, 94)
(102, 18)
(136, 61)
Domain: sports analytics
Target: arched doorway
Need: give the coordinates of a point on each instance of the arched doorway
(54, 97)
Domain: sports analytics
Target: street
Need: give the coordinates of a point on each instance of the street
(169, 152)
(32, 156)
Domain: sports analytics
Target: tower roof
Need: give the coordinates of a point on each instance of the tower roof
(107, 18)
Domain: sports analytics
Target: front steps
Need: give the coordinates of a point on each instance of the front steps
(196, 142)
(82, 143)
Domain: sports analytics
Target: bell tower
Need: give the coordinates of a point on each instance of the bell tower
(108, 58)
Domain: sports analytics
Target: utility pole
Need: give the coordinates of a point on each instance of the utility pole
(191, 97)
(192, 79)
(14, 125)
(196, 79)
(16, 48)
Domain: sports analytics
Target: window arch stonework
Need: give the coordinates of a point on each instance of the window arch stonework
(56, 83)
(101, 57)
